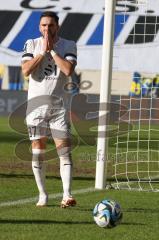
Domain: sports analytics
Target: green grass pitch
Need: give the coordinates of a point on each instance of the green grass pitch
(23, 221)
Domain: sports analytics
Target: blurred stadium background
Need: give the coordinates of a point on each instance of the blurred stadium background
(84, 24)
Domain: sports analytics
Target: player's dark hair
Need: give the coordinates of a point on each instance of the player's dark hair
(50, 14)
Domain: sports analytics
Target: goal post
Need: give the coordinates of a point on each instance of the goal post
(105, 90)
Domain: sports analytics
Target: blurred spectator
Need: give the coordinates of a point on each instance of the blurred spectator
(135, 85)
(155, 90)
(2, 69)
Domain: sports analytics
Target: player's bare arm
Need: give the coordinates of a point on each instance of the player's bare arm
(29, 66)
(67, 67)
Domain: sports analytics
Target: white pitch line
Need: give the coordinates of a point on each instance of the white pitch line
(51, 196)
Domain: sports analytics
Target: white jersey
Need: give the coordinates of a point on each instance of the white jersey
(47, 79)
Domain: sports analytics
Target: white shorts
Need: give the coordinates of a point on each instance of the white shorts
(44, 122)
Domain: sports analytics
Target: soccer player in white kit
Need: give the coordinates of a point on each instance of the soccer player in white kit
(48, 61)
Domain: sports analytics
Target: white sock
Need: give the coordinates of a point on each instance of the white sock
(38, 168)
(66, 175)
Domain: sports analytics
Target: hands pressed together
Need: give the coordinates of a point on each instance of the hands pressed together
(47, 42)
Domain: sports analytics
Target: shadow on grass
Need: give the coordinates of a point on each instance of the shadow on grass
(46, 222)
(8, 175)
(37, 221)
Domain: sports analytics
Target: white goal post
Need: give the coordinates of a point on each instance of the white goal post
(105, 87)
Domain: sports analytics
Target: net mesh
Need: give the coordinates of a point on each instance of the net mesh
(134, 152)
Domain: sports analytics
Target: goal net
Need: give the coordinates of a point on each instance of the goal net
(133, 154)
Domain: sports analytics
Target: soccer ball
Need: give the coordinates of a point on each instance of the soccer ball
(107, 213)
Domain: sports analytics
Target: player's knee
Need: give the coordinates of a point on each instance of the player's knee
(65, 155)
(64, 151)
(39, 143)
(38, 154)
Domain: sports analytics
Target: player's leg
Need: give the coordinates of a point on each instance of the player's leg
(60, 129)
(38, 167)
(37, 129)
(63, 147)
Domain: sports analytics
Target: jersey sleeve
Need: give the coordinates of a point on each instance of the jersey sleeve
(71, 52)
(28, 50)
